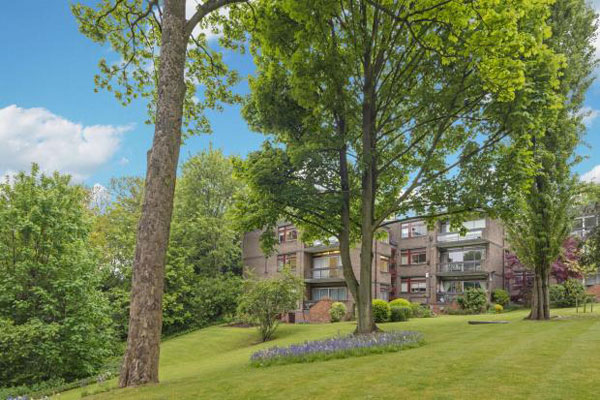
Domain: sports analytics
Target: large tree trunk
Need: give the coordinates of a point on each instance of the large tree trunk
(540, 296)
(366, 323)
(140, 364)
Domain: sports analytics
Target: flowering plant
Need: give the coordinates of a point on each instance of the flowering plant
(337, 347)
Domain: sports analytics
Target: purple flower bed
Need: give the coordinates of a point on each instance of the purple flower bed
(337, 347)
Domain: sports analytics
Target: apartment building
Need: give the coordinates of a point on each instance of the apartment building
(319, 263)
(432, 267)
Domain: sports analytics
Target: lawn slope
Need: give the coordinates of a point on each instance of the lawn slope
(520, 360)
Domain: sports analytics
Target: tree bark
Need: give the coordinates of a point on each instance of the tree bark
(140, 363)
(366, 323)
(540, 296)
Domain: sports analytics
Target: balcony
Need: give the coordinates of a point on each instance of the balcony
(450, 239)
(325, 275)
(447, 297)
(462, 268)
(593, 279)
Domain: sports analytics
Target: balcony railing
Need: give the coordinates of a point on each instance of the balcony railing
(461, 267)
(593, 279)
(326, 273)
(456, 236)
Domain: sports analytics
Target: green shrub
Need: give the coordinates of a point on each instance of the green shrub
(473, 301)
(400, 313)
(557, 295)
(400, 302)
(498, 308)
(501, 296)
(337, 311)
(265, 300)
(566, 294)
(381, 310)
(574, 292)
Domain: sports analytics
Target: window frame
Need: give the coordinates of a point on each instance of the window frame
(285, 259)
(409, 254)
(384, 260)
(410, 231)
(409, 281)
(285, 231)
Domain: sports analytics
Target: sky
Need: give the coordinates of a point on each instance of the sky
(50, 114)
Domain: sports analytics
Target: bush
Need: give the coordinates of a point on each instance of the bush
(574, 292)
(498, 308)
(473, 301)
(381, 310)
(557, 296)
(400, 313)
(266, 299)
(400, 302)
(337, 311)
(501, 296)
(566, 294)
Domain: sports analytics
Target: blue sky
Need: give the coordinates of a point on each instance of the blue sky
(47, 104)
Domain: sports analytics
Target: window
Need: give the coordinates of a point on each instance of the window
(384, 264)
(286, 260)
(413, 285)
(384, 292)
(413, 256)
(461, 286)
(332, 293)
(330, 259)
(469, 225)
(287, 233)
(413, 229)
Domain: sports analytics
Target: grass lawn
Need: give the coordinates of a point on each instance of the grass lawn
(521, 360)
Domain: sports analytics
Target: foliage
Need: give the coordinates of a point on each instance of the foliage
(400, 302)
(54, 320)
(337, 311)
(474, 300)
(420, 310)
(400, 313)
(210, 299)
(339, 347)
(132, 28)
(574, 291)
(203, 234)
(557, 295)
(542, 223)
(500, 296)
(498, 308)
(266, 300)
(357, 136)
(567, 294)
(204, 245)
(381, 310)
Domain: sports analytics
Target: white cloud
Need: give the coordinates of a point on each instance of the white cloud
(589, 114)
(592, 175)
(55, 143)
(124, 161)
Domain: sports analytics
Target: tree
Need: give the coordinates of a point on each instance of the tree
(203, 233)
(135, 29)
(266, 300)
(538, 231)
(378, 109)
(113, 237)
(203, 247)
(54, 320)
